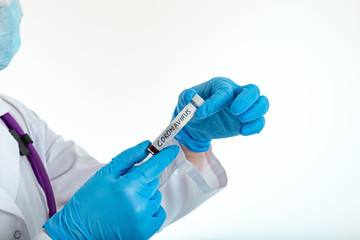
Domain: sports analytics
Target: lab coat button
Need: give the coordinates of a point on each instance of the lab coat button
(17, 234)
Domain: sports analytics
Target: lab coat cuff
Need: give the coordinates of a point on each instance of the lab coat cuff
(211, 176)
(42, 236)
(213, 170)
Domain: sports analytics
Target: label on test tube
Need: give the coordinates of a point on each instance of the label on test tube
(176, 125)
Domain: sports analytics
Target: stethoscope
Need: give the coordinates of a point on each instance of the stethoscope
(26, 148)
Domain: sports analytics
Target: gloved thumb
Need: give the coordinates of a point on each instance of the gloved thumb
(152, 168)
(126, 160)
(185, 97)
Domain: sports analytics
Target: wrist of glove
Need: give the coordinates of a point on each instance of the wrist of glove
(58, 228)
(190, 143)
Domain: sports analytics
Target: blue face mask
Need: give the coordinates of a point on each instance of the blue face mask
(10, 18)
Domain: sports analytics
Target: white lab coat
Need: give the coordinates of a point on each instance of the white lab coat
(23, 208)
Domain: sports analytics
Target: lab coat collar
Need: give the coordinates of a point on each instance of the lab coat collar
(4, 107)
(8, 205)
(9, 162)
(9, 166)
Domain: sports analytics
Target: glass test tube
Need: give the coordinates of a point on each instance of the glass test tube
(176, 125)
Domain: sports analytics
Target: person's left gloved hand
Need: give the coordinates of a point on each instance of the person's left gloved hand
(229, 110)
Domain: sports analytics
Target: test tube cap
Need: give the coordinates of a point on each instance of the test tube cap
(197, 101)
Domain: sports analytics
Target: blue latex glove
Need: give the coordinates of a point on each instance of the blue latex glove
(229, 110)
(121, 201)
(10, 18)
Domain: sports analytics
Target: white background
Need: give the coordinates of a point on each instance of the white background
(107, 75)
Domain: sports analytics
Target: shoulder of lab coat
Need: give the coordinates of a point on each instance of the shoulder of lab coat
(67, 164)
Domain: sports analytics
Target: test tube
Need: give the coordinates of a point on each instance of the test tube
(176, 125)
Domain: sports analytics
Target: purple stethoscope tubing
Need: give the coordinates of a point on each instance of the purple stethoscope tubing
(36, 164)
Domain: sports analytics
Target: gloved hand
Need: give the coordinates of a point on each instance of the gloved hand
(229, 110)
(121, 201)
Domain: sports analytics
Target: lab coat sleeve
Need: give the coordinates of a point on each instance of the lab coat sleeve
(42, 236)
(184, 187)
(68, 165)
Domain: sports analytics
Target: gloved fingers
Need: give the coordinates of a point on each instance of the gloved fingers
(157, 220)
(152, 168)
(185, 97)
(147, 190)
(245, 99)
(160, 216)
(222, 93)
(154, 203)
(255, 111)
(153, 187)
(125, 160)
(253, 127)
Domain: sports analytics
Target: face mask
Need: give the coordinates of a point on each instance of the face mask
(10, 18)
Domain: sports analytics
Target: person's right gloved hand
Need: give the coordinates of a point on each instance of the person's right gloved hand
(121, 201)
